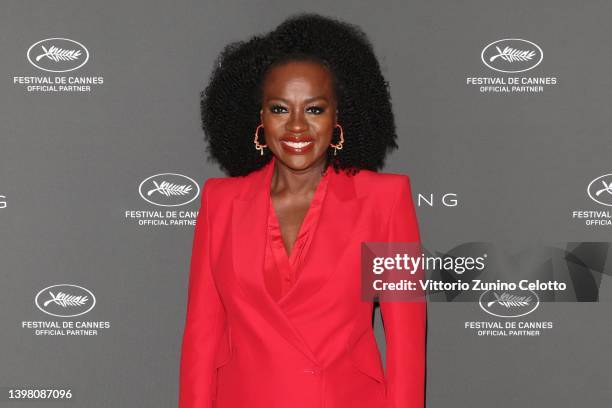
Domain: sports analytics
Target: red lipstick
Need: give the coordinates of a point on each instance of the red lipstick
(294, 145)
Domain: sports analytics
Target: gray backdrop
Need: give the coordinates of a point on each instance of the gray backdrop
(71, 163)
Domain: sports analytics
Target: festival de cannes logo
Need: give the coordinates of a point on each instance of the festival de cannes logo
(509, 304)
(169, 189)
(58, 55)
(65, 300)
(600, 190)
(512, 55)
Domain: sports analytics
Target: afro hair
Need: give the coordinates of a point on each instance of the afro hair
(231, 102)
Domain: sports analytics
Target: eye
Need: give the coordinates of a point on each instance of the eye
(277, 109)
(316, 110)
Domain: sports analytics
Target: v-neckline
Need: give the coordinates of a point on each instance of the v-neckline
(315, 201)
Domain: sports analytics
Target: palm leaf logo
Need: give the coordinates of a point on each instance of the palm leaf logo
(507, 300)
(607, 188)
(58, 54)
(64, 300)
(170, 189)
(510, 54)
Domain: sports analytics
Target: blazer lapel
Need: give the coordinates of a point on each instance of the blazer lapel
(249, 222)
(334, 231)
(248, 235)
(249, 216)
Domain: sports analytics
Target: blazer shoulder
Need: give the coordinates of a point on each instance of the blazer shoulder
(381, 183)
(220, 189)
(231, 187)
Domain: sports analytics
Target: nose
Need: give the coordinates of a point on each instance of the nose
(297, 122)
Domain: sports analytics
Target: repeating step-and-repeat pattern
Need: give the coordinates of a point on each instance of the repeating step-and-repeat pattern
(503, 117)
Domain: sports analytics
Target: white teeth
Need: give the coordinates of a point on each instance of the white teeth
(296, 145)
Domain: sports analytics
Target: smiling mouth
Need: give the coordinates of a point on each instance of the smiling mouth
(296, 145)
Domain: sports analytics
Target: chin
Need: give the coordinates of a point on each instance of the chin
(299, 161)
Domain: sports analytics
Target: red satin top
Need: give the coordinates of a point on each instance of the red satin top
(282, 271)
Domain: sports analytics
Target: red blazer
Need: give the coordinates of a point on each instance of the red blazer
(316, 347)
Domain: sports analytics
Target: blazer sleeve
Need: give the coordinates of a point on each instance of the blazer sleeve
(405, 321)
(205, 320)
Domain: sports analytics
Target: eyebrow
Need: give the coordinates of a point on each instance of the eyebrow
(307, 100)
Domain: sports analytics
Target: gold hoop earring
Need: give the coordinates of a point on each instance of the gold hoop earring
(258, 146)
(339, 145)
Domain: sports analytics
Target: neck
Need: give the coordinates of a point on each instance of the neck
(290, 181)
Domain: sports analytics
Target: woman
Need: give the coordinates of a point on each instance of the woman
(274, 316)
